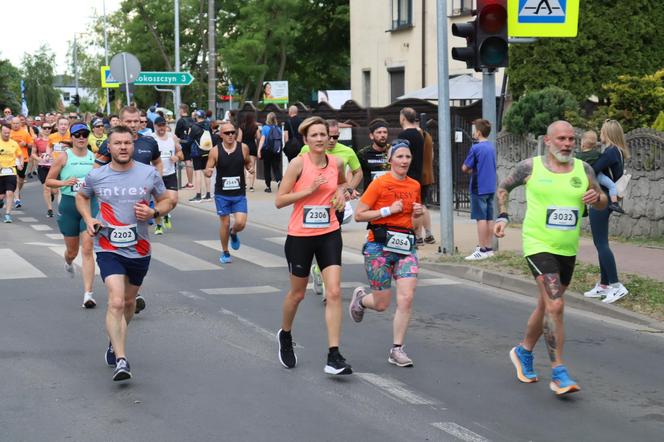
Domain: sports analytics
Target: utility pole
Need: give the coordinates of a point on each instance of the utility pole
(444, 139)
(108, 102)
(212, 60)
(76, 74)
(177, 98)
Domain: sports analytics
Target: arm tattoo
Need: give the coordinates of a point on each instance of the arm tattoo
(517, 178)
(592, 177)
(549, 328)
(552, 285)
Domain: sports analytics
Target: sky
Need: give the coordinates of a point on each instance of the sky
(32, 23)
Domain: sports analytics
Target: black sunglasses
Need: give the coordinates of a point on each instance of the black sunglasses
(229, 132)
(80, 135)
(334, 137)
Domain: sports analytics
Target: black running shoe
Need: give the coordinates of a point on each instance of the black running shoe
(122, 371)
(140, 304)
(286, 353)
(337, 365)
(110, 356)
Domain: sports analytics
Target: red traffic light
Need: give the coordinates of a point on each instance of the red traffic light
(493, 18)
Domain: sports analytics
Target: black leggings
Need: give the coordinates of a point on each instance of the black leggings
(271, 165)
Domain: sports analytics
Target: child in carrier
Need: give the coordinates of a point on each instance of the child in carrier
(590, 153)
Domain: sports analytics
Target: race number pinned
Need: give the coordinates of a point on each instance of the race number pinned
(59, 147)
(122, 236)
(562, 218)
(80, 182)
(7, 171)
(230, 183)
(316, 217)
(399, 242)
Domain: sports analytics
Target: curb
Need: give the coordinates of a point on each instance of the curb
(528, 288)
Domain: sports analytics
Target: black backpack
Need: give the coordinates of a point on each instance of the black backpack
(294, 144)
(274, 140)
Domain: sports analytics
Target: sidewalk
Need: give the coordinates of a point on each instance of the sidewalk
(641, 260)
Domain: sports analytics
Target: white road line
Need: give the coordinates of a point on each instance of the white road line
(16, 267)
(250, 254)
(396, 389)
(270, 335)
(60, 251)
(241, 290)
(346, 257)
(54, 236)
(180, 260)
(40, 227)
(27, 219)
(435, 281)
(459, 432)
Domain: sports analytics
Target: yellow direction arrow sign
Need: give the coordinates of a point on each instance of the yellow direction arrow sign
(107, 79)
(543, 18)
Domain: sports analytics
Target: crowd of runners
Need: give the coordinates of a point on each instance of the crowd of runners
(108, 179)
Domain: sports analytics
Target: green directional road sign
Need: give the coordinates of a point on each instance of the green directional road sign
(164, 79)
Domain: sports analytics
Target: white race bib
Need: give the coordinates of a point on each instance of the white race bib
(378, 173)
(230, 183)
(562, 218)
(399, 242)
(166, 154)
(7, 171)
(79, 183)
(122, 236)
(316, 217)
(58, 147)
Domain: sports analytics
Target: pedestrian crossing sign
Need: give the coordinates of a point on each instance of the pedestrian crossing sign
(543, 18)
(107, 79)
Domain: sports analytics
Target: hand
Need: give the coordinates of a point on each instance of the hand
(143, 211)
(396, 207)
(91, 224)
(318, 181)
(591, 197)
(339, 201)
(418, 209)
(259, 154)
(499, 229)
(251, 171)
(174, 158)
(19, 166)
(70, 181)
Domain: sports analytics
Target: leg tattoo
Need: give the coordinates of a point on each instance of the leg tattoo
(552, 285)
(549, 328)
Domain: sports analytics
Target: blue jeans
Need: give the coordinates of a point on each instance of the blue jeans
(599, 224)
(607, 182)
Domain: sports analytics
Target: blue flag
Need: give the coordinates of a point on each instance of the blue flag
(24, 104)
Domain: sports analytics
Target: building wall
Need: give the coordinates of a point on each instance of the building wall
(376, 49)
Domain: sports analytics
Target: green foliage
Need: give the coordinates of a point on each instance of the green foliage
(533, 113)
(615, 38)
(37, 72)
(636, 101)
(659, 122)
(10, 89)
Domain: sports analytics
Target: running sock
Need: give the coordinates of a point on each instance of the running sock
(198, 195)
(427, 232)
(397, 345)
(207, 195)
(486, 249)
(159, 226)
(286, 333)
(334, 350)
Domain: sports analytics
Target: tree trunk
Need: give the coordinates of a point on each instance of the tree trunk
(282, 63)
(148, 23)
(259, 82)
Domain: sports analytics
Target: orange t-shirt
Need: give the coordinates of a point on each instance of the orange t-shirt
(22, 136)
(56, 139)
(385, 190)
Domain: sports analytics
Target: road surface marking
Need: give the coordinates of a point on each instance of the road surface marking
(346, 257)
(459, 432)
(396, 389)
(55, 236)
(269, 334)
(250, 254)
(241, 290)
(180, 260)
(27, 219)
(16, 267)
(40, 227)
(60, 251)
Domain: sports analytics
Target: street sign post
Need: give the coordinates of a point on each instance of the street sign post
(164, 79)
(543, 18)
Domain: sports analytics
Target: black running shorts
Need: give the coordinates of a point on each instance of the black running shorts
(543, 263)
(300, 252)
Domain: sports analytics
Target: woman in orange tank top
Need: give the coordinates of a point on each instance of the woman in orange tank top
(313, 183)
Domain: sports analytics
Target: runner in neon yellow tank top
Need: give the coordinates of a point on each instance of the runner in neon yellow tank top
(558, 186)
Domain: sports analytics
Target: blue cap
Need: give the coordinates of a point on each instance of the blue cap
(200, 113)
(398, 144)
(78, 127)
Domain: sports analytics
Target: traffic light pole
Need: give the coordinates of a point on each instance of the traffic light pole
(444, 137)
(489, 113)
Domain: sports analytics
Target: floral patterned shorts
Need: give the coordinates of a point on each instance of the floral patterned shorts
(382, 266)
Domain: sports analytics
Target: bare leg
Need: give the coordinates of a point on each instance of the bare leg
(72, 244)
(224, 227)
(88, 261)
(239, 222)
(292, 300)
(46, 193)
(116, 324)
(9, 202)
(189, 170)
(251, 177)
(405, 294)
(333, 306)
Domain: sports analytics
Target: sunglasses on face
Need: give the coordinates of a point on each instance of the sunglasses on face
(229, 132)
(79, 135)
(334, 137)
(96, 127)
(72, 117)
(144, 121)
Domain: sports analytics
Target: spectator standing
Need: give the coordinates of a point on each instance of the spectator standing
(373, 158)
(293, 138)
(481, 165)
(182, 128)
(249, 135)
(200, 150)
(270, 134)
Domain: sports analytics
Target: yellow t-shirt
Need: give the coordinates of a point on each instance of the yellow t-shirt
(9, 152)
(19, 136)
(95, 142)
(55, 140)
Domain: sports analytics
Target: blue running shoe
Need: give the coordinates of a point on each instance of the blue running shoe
(523, 363)
(225, 258)
(235, 240)
(110, 356)
(561, 383)
(122, 370)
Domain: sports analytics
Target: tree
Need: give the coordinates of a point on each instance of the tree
(533, 113)
(636, 101)
(615, 38)
(10, 90)
(37, 72)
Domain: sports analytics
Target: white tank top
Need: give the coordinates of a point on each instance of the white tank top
(167, 149)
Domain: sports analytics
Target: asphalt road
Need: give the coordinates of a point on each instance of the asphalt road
(204, 355)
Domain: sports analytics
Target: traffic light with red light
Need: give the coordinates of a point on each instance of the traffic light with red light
(491, 34)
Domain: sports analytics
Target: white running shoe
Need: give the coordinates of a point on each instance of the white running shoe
(477, 255)
(317, 280)
(88, 300)
(69, 268)
(597, 292)
(616, 292)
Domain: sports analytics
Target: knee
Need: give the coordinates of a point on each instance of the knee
(296, 295)
(333, 294)
(116, 304)
(405, 301)
(381, 304)
(239, 225)
(71, 254)
(555, 308)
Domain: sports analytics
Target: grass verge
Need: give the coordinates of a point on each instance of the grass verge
(646, 295)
